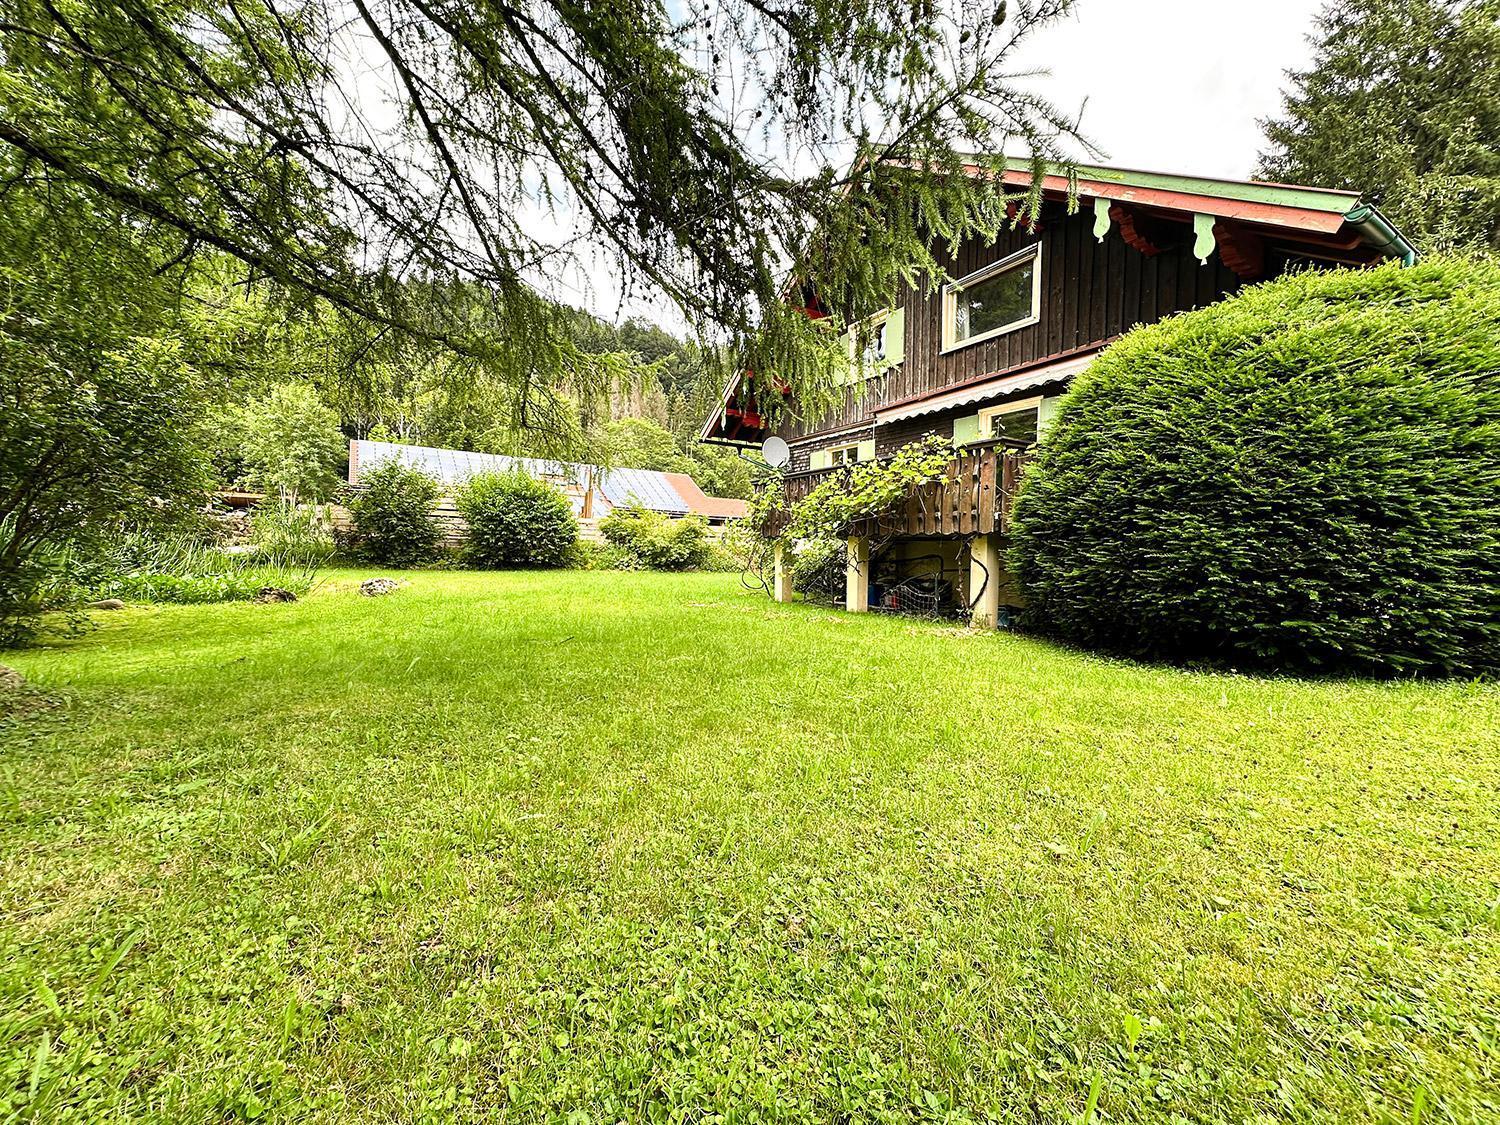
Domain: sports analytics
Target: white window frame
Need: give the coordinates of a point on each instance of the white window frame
(843, 455)
(863, 329)
(1032, 253)
(988, 415)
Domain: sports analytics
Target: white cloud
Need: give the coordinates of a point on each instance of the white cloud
(1173, 85)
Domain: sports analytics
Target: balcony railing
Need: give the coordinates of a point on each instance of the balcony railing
(973, 498)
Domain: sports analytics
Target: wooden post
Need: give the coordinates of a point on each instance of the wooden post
(857, 576)
(985, 575)
(781, 588)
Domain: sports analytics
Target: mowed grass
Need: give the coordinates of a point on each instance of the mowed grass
(616, 847)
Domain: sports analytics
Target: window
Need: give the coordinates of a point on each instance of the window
(1015, 420)
(874, 341)
(843, 455)
(994, 300)
(875, 344)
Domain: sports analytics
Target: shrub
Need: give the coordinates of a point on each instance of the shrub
(516, 520)
(1303, 477)
(98, 403)
(392, 513)
(585, 555)
(655, 541)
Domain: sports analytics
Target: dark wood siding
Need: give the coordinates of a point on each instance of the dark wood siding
(1091, 291)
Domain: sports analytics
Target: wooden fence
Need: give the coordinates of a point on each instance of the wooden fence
(974, 497)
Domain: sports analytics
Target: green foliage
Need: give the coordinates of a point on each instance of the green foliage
(392, 513)
(97, 404)
(292, 533)
(290, 443)
(865, 490)
(516, 520)
(509, 847)
(1402, 102)
(653, 541)
(143, 567)
(1302, 477)
(706, 152)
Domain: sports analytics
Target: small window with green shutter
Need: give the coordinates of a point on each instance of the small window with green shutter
(844, 455)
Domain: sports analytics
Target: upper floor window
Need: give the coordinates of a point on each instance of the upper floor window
(989, 302)
(873, 339)
(875, 343)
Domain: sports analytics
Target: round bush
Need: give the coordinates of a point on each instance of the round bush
(655, 541)
(516, 520)
(1303, 477)
(392, 512)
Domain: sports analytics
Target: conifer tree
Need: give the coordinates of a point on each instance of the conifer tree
(1402, 101)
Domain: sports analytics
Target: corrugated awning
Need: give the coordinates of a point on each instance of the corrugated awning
(985, 391)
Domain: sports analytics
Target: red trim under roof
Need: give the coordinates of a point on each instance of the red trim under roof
(1272, 214)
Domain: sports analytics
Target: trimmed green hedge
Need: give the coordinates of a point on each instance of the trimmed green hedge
(516, 520)
(1303, 477)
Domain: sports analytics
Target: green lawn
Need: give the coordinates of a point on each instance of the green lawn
(644, 847)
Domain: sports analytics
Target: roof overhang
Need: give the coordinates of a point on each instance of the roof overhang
(987, 388)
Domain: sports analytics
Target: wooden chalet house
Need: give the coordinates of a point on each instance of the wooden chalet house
(985, 359)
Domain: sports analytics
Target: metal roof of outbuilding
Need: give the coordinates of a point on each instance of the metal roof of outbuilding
(657, 491)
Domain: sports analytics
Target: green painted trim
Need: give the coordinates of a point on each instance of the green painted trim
(1102, 220)
(966, 429)
(895, 337)
(866, 450)
(1203, 237)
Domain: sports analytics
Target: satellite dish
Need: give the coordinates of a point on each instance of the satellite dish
(776, 452)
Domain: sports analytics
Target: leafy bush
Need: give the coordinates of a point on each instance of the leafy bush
(292, 533)
(36, 582)
(392, 513)
(97, 401)
(516, 520)
(819, 568)
(655, 541)
(1303, 477)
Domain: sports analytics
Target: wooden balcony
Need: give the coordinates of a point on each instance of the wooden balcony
(974, 498)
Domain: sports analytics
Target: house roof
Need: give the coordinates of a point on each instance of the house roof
(675, 494)
(1284, 205)
(713, 507)
(452, 466)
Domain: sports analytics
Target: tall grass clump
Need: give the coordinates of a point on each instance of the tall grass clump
(182, 569)
(1304, 477)
(293, 533)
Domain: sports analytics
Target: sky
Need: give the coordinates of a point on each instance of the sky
(1173, 85)
(1163, 85)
